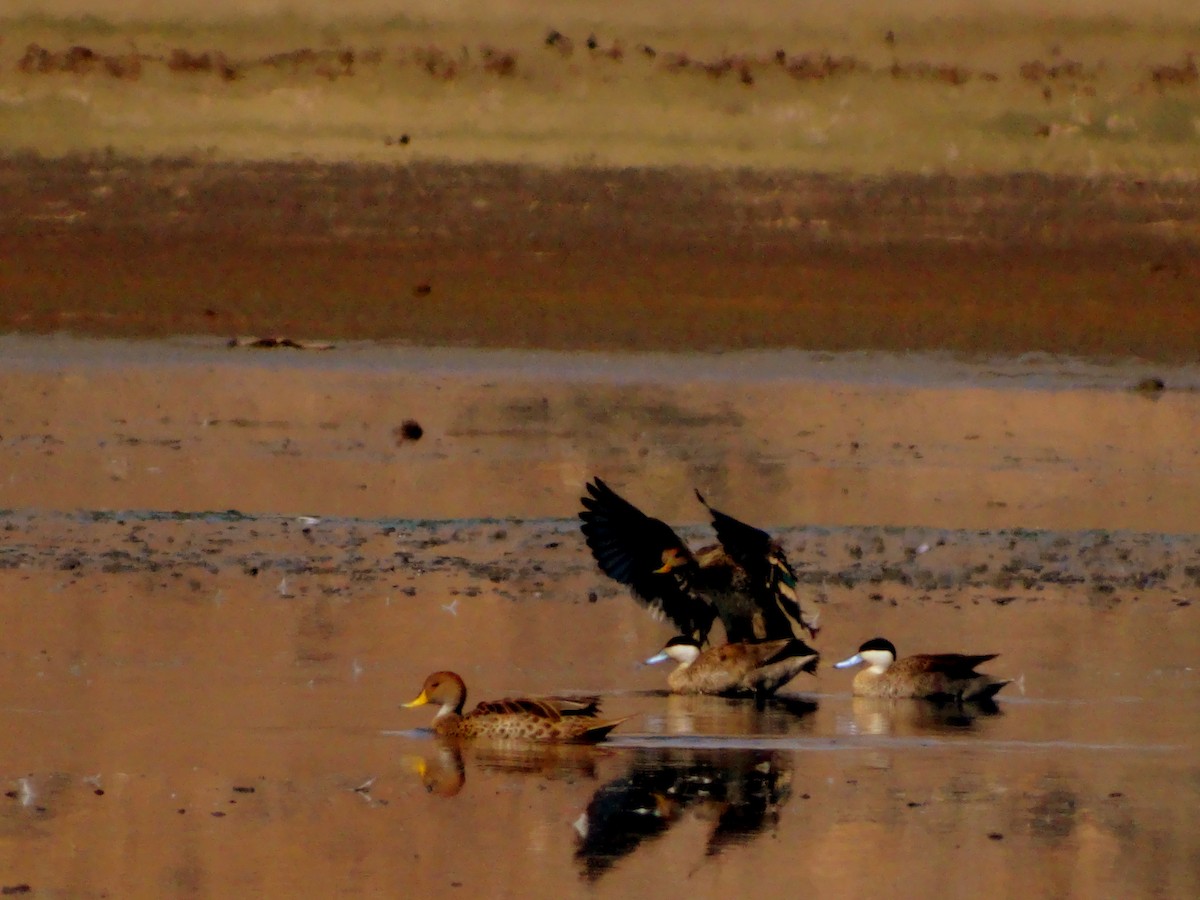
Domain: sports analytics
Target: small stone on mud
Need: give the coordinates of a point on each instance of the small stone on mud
(1152, 385)
(995, 836)
(408, 430)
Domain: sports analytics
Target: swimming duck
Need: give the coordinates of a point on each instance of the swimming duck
(521, 718)
(945, 676)
(747, 668)
(745, 579)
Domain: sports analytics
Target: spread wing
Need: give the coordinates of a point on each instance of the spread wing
(628, 545)
(772, 580)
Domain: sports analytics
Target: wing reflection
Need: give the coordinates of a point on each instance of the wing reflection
(740, 790)
(445, 772)
(905, 717)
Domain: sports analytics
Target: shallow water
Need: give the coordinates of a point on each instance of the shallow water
(206, 704)
(171, 730)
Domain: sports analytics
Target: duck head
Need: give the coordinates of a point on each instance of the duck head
(445, 688)
(683, 650)
(877, 653)
(672, 558)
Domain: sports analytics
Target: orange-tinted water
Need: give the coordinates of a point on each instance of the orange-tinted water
(204, 705)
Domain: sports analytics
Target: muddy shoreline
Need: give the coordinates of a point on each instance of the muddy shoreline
(533, 559)
(558, 258)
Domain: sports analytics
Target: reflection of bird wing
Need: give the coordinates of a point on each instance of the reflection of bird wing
(628, 545)
(772, 580)
(754, 795)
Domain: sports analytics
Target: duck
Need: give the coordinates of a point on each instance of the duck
(744, 579)
(746, 668)
(545, 719)
(935, 676)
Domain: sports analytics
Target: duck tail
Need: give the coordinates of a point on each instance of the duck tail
(796, 648)
(988, 690)
(598, 732)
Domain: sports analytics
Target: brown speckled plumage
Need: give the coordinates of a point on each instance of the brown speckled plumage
(515, 718)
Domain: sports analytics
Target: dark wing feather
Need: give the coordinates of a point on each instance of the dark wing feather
(795, 648)
(519, 705)
(574, 706)
(773, 582)
(628, 545)
(956, 665)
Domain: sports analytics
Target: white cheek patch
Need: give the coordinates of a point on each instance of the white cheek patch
(878, 660)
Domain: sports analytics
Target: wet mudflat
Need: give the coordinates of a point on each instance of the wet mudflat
(201, 684)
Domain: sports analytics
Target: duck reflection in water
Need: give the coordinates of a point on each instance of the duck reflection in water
(740, 790)
(444, 773)
(912, 717)
(684, 715)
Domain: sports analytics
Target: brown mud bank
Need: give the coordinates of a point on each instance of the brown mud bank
(611, 259)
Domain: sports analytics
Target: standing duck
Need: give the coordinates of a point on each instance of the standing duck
(747, 668)
(936, 676)
(745, 579)
(520, 718)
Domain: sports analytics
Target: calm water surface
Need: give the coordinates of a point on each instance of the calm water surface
(207, 705)
(229, 740)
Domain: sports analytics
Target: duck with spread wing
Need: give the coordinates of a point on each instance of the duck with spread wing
(744, 579)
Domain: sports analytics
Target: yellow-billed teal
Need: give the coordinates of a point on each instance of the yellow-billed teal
(518, 718)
